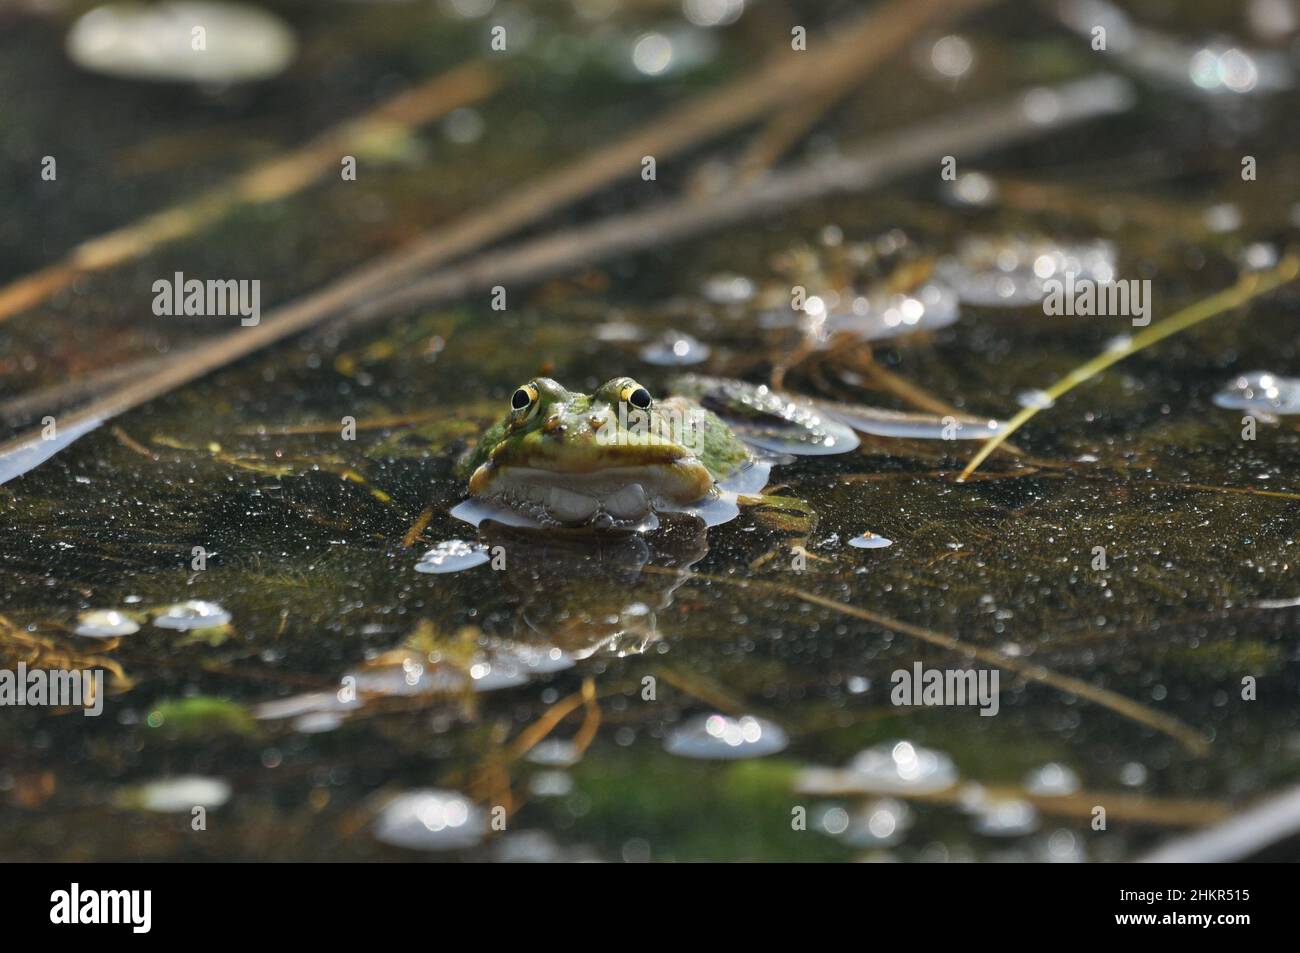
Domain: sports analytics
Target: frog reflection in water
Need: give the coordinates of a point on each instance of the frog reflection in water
(618, 458)
(586, 595)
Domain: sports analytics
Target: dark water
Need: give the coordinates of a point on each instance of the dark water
(464, 682)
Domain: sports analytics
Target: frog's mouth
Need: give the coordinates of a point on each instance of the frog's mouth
(624, 494)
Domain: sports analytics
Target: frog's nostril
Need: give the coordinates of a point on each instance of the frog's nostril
(596, 422)
(553, 425)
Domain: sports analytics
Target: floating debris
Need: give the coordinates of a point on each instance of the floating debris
(453, 555)
(198, 42)
(1012, 272)
(722, 737)
(1005, 818)
(180, 794)
(903, 767)
(1052, 780)
(675, 349)
(105, 624)
(430, 819)
(194, 614)
(870, 541)
(1261, 392)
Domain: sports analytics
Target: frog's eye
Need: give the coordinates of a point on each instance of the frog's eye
(523, 401)
(635, 395)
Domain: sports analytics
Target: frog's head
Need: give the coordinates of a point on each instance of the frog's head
(576, 458)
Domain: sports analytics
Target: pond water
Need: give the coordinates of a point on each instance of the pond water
(303, 641)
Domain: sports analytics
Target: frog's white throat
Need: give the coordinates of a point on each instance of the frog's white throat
(619, 498)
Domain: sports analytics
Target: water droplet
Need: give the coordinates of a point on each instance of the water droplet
(722, 737)
(430, 819)
(675, 349)
(194, 614)
(105, 624)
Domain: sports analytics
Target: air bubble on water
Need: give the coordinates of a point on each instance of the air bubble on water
(1006, 272)
(723, 737)
(105, 624)
(182, 793)
(554, 753)
(308, 703)
(1133, 774)
(194, 614)
(675, 349)
(1038, 399)
(870, 540)
(618, 332)
(880, 823)
(317, 722)
(1052, 780)
(728, 289)
(430, 819)
(1005, 818)
(903, 767)
(453, 555)
(1261, 392)
(550, 784)
(153, 42)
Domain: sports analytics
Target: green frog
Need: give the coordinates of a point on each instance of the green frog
(610, 459)
(619, 456)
